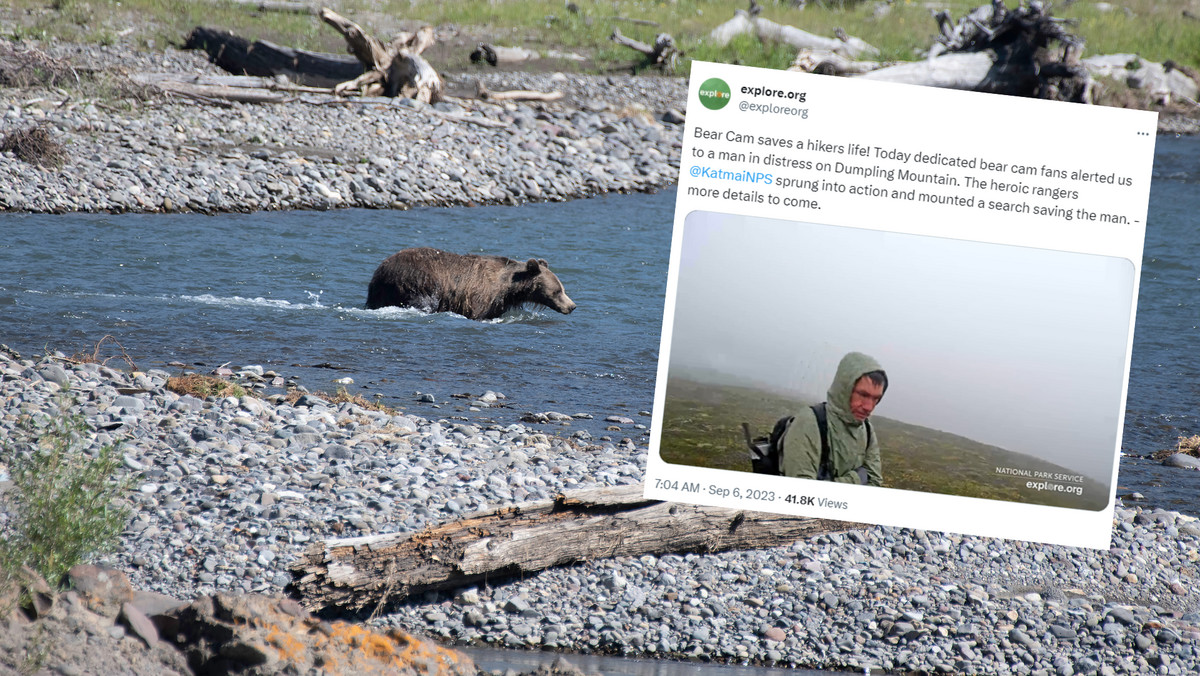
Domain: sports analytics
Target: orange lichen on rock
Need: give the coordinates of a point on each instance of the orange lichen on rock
(378, 647)
(288, 646)
(273, 636)
(397, 652)
(431, 658)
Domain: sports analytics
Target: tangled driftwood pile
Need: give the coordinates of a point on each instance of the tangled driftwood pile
(264, 72)
(394, 69)
(1022, 51)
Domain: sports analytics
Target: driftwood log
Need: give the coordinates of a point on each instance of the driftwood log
(239, 56)
(367, 572)
(218, 88)
(748, 22)
(951, 71)
(486, 94)
(494, 54)
(824, 62)
(663, 54)
(769, 31)
(395, 69)
(742, 23)
(210, 92)
(277, 6)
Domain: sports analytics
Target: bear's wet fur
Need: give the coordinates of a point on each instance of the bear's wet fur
(474, 286)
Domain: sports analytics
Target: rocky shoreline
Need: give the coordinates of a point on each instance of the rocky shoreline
(229, 491)
(170, 154)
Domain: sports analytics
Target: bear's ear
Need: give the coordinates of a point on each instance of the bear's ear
(543, 262)
(533, 263)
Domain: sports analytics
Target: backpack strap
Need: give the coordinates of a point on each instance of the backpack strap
(823, 471)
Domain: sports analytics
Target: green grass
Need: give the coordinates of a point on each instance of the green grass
(702, 427)
(1156, 30)
(745, 50)
(63, 503)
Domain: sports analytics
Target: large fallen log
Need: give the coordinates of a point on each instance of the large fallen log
(357, 573)
(239, 56)
(991, 49)
(769, 31)
(951, 71)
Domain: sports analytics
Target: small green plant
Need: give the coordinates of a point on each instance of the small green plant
(63, 504)
(36, 652)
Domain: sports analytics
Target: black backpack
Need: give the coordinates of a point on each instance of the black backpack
(765, 452)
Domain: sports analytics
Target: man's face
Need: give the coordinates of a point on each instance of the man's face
(864, 397)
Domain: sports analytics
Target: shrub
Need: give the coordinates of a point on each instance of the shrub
(95, 356)
(202, 386)
(35, 146)
(63, 503)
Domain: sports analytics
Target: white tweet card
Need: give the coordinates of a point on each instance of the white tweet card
(900, 305)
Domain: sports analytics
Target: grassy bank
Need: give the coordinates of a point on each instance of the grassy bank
(702, 427)
(1155, 30)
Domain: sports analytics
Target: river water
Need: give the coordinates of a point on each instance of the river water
(493, 659)
(286, 290)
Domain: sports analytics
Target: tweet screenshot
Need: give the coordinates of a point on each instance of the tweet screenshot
(900, 305)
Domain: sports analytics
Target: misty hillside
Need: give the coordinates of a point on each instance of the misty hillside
(701, 426)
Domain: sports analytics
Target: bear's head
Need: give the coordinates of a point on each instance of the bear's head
(544, 288)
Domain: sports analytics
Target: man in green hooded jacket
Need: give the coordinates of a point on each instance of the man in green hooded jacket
(853, 447)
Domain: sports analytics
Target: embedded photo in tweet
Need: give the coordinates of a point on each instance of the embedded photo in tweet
(900, 305)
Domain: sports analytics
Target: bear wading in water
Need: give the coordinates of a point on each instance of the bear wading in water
(476, 287)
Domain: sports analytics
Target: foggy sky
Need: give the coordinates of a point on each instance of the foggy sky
(1017, 347)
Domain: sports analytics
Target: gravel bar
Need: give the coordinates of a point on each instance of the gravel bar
(230, 491)
(166, 154)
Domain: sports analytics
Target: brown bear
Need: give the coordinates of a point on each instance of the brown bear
(476, 287)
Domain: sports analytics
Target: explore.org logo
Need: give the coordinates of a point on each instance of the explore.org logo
(714, 93)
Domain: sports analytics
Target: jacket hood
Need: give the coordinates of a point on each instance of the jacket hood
(852, 367)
